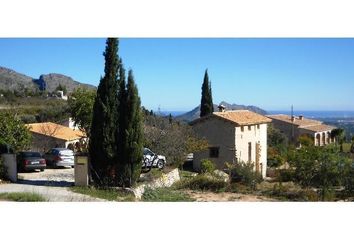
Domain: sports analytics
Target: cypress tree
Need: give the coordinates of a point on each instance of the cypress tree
(121, 133)
(131, 135)
(206, 104)
(102, 146)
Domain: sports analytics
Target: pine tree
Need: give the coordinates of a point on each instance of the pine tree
(102, 146)
(206, 105)
(131, 135)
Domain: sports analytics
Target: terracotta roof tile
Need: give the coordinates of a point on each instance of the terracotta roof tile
(56, 131)
(239, 117)
(319, 128)
(297, 122)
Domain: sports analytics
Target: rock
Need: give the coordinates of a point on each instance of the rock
(166, 180)
(222, 175)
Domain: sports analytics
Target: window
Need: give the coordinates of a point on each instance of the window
(257, 126)
(214, 152)
(249, 128)
(242, 129)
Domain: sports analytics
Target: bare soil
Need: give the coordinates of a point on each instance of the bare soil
(226, 197)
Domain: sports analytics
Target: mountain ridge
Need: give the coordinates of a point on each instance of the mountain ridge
(14, 81)
(195, 112)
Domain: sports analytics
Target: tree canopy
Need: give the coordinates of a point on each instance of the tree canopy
(13, 132)
(81, 108)
(206, 104)
(102, 145)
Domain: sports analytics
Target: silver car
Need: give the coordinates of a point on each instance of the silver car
(60, 157)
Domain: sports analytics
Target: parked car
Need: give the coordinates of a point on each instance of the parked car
(27, 161)
(60, 157)
(151, 160)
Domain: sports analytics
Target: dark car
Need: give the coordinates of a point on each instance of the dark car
(60, 157)
(27, 161)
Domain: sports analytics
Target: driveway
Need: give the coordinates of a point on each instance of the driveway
(51, 194)
(61, 177)
(52, 184)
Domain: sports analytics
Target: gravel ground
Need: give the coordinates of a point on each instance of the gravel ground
(51, 184)
(62, 177)
(51, 194)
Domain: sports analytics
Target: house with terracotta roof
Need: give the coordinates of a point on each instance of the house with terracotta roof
(238, 135)
(294, 127)
(48, 135)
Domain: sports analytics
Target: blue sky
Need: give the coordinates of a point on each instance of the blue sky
(311, 74)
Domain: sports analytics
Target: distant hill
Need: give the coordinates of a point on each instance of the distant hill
(12, 80)
(194, 114)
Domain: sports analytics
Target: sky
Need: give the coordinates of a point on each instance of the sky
(311, 74)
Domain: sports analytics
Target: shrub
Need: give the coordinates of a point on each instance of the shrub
(204, 183)
(285, 175)
(165, 195)
(244, 173)
(323, 168)
(207, 166)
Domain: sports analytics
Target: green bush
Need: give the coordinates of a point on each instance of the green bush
(285, 175)
(323, 168)
(203, 182)
(207, 166)
(244, 173)
(165, 195)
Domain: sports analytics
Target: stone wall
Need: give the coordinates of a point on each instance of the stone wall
(219, 133)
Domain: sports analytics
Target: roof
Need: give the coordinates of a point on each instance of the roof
(239, 117)
(319, 128)
(56, 131)
(303, 122)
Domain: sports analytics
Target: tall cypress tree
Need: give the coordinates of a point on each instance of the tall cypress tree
(130, 143)
(121, 133)
(206, 104)
(102, 146)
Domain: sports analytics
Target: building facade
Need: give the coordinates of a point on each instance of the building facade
(238, 135)
(294, 127)
(50, 135)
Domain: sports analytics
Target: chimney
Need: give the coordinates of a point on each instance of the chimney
(221, 108)
(301, 117)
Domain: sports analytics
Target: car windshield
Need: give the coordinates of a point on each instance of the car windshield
(148, 152)
(66, 153)
(31, 154)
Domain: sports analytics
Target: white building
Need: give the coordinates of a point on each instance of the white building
(294, 127)
(238, 135)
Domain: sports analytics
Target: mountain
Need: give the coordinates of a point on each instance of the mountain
(12, 80)
(194, 114)
(53, 80)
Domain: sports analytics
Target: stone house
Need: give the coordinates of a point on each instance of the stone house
(238, 135)
(294, 127)
(49, 135)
